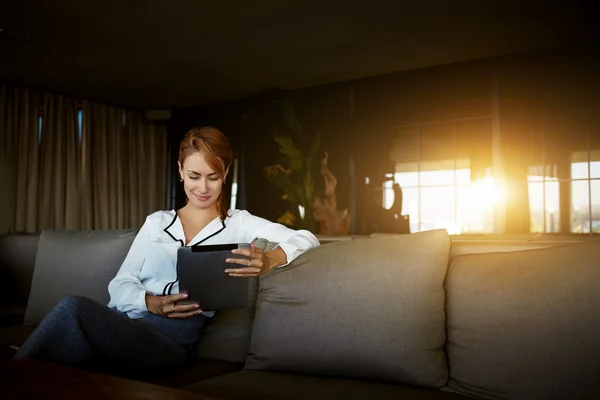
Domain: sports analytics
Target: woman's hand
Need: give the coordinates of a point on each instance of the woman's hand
(258, 262)
(167, 306)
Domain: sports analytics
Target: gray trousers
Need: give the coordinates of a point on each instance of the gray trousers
(81, 332)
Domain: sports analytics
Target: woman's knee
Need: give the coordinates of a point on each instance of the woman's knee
(73, 304)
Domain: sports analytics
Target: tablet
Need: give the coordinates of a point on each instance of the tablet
(201, 274)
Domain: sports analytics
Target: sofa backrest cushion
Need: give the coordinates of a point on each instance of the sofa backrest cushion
(75, 263)
(525, 324)
(84, 262)
(17, 260)
(370, 308)
(227, 336)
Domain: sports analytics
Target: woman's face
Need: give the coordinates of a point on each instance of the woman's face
(201, 183)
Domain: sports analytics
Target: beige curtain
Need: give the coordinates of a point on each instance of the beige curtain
(110, 177)
(19, 151)
(146, 162)
(59, 183)
(102, 172)
(124, 163)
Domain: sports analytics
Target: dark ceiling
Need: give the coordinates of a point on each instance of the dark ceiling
(164, 54)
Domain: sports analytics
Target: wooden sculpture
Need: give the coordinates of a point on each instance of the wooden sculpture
(332, 221)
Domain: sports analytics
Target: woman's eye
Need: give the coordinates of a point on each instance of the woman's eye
(213, 179)
(193, 178)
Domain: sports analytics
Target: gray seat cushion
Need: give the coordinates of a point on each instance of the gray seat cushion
(369, 309)
(75, 263)
(525, 325)
(271, 385)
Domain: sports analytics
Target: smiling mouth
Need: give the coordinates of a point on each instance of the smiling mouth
(202, 198)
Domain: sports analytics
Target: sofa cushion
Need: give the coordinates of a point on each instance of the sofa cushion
(227, 336)
(75, 263)
(525, 324)
(17, 260)
(271, 385)
(370, 308)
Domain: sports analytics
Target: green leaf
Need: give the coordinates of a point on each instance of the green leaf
(309, 186)
(288, 148)
(289, 115)
(314, 149)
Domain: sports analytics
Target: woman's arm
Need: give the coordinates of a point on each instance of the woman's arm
(127, 293)
(290, 243)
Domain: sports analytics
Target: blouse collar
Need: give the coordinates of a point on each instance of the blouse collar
(175, 230)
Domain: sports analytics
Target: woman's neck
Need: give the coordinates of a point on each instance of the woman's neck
(199, 213)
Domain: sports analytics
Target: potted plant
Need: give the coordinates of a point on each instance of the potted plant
(295, 173)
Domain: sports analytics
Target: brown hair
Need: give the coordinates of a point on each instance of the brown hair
(215, 148)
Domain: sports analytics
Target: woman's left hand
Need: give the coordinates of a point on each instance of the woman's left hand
(258, 262)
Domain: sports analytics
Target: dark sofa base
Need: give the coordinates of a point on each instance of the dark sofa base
(249, 385)
(193, 372)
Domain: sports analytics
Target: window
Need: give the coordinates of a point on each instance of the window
(234, 184)
(444, 170)
(585, 192)
(446, 199)
(544, 204)
(40, 123)
(80, 124)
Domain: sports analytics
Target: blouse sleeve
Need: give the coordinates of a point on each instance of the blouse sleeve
(127, 293)
(292, 242)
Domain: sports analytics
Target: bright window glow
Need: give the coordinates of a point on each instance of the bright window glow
(488, 192)
(234, 185)
(234, 189)
(448, 199)
(551, 213)
(467, 207)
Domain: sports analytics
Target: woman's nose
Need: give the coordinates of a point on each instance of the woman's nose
(202, 185)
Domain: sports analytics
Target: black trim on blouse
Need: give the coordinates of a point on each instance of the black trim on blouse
(169, 233)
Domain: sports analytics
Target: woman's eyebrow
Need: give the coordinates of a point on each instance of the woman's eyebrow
(197, 173)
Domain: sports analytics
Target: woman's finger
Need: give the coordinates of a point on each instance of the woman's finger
(243, 272)
(253, 252)
(184, 314)
(241, 261)
(173, 298)
(252, 275)
(186, 307)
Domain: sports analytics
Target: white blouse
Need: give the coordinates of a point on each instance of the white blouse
(150, 264)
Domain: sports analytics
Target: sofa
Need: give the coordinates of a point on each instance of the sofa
(416, 316)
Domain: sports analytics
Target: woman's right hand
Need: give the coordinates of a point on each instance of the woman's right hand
(167, 306)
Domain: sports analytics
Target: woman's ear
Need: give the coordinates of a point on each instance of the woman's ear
(180, 170)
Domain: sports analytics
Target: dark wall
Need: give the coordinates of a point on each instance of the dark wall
(359, 119)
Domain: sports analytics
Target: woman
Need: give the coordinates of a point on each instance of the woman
(144, 331)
